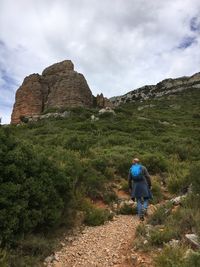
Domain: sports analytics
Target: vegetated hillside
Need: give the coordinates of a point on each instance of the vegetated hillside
(49, 167)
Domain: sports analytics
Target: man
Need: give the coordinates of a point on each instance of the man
(140, 187)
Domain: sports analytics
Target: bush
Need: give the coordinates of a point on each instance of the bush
(33, 190)
(95, 216)
(140, 230)
(176, 257)
(178, 180)
(170, 257)
(110, 173)
(194, 177)
(109, 197)
(127, 210)
(3, 258)
(93, 181)
(125, 186)
(188, 217)
(79, 143)
(193, 260)
(156, 191)
(184, 218)
(36, 246)
(100, 164)
(160, 236)
(155, 163)
(160, 215)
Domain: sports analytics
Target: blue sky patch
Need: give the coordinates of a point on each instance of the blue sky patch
(9, 81)
(187, 42)
(195, 24)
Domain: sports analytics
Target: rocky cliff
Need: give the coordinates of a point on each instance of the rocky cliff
(165, 87)
(59, 86)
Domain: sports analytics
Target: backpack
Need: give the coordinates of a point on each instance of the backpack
(136, 172)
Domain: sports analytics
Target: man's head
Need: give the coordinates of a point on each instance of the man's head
(135, 160)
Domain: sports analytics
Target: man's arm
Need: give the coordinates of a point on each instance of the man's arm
(147, 176)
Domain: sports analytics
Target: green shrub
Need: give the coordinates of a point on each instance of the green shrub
(16, 260)
(110, 172)
(79, 143)
(36, 246)
(194, 177)
(94, 182)
(160, 215)
(3, 258)
(100, 164)
(125, 186)
(140, 230)
(127, 210)
(123, 164)
(94, 216)
(155, 163)
(23, 119)
(178, 180)
(176, 257)
(193, 260)
(106, 115)
(156, 191)
(109, 197)
(32, 193)
(184, 218)
(170, 257)
(158, 237)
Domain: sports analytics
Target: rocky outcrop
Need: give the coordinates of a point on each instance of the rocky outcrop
(166, 87)
(58, 87)
(103, 102)
(29, 98)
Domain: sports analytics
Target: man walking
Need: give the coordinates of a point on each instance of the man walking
(140, 187)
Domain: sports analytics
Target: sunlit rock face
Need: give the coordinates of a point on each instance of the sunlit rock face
(59, 86)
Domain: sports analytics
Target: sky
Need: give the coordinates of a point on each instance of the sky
(119, 45)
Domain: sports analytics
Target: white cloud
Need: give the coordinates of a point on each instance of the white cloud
(118, 45)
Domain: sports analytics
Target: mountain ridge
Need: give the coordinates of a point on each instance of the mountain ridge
(165, 87)
(60, 87)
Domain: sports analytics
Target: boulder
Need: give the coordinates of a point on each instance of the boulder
(193, 239)
(106, 110)
(178, 200)
(94, 118)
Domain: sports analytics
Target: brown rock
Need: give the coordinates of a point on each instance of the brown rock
(29, 98)
(59, 86)
(103, 102)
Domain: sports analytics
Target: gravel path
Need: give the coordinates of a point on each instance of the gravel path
(101, 246)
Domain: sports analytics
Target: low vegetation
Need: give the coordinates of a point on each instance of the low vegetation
(50, 167)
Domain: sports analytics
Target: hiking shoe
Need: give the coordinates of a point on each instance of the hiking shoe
(141, 218)
(145, 212)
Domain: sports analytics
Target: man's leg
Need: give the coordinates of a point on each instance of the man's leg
(145, 205)
(139, 208)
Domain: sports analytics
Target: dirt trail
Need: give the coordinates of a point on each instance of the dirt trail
(107, 245)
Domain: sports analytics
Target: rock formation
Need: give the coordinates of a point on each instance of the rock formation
(103, 102)
(59, 86)
(165, 87)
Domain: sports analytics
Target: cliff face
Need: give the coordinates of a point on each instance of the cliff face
(58, 86)
(165, 87)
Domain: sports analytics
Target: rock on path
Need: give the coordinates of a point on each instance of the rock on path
(101, 246)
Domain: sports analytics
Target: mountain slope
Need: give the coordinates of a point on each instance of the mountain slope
(50, 167)
(165, 87)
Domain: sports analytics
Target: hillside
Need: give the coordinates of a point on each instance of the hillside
(50, 168)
